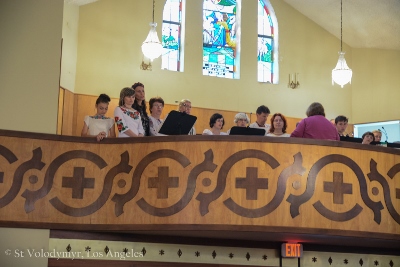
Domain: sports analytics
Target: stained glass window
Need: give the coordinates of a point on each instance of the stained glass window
(220, 32)
(268, 70)
(172, 35)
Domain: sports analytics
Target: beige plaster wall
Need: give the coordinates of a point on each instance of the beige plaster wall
(70, 46)
(19, 247)
(112, 31)
(376, 90)
(30, 48)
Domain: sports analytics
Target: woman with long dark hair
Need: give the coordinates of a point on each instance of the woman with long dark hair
(140, 106)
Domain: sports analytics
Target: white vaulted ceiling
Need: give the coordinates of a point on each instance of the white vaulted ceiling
(366, 23)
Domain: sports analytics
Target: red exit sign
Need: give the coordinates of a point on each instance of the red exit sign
(292, 250)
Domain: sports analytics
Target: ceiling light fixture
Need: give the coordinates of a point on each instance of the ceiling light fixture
(152, 47)
(341, 74)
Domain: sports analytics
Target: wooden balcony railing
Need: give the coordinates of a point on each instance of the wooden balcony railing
(199, 183)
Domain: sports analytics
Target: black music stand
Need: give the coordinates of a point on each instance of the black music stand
(351, 139)
(177, 123)
(236, 130)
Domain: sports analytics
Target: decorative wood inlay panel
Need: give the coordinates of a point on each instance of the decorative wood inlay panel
(199, 181)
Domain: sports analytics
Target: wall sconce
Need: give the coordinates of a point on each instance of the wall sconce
(293, 83)
(145, 66)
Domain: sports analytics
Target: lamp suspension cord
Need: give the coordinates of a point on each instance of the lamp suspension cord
(154, 5)
(341, 12)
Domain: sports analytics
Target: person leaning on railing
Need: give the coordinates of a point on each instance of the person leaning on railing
(377, 135)
(367, 138)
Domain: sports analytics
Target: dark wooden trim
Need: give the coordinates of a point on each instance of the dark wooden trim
(108, 263)
(253, 236)
(199, 138)
(165, 228)
(323, 243)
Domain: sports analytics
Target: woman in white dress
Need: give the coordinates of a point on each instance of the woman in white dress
(278, 126)
(128, 120)
(99, 125)
(156, 108)
(216, 124)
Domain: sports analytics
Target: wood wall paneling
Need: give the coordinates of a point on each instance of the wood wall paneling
(78, 106)
(68, 113)
(60, 111)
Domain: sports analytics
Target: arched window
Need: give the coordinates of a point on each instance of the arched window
(268, 66)
(220, 38)
(173, 35)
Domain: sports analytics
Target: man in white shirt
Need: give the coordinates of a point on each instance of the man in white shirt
(262, 114)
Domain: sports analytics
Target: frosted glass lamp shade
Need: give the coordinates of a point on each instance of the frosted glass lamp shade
(152, 47)
(341, 74)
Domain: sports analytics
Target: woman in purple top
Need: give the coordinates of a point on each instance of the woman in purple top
(316, 126)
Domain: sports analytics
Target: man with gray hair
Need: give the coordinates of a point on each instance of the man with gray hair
(185, 106)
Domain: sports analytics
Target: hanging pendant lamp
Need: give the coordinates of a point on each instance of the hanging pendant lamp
(341, 74)
(151, 47)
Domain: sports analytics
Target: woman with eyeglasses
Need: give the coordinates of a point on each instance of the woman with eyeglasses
(156, 108)
(241, 120)
(185, 106)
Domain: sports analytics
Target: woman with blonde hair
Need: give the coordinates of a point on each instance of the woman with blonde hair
(185, 106)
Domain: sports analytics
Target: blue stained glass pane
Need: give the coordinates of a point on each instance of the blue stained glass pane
(264, 49)
(265, 54)
(219, 38)
(171, 35)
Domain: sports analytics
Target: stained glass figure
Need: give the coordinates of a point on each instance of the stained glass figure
(220, 38)
(267, 44)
